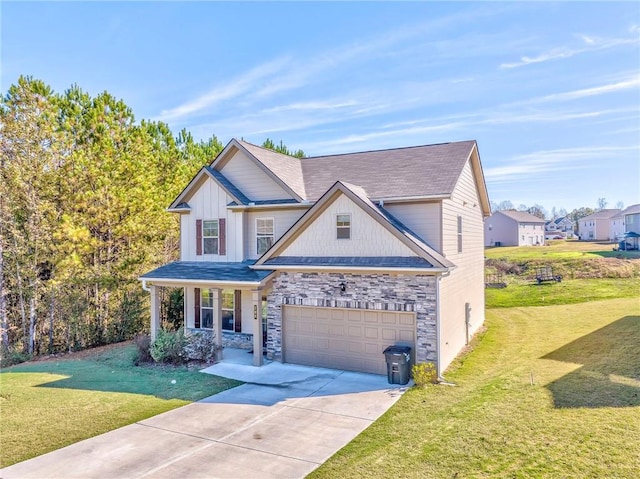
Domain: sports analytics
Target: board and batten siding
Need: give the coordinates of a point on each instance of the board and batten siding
(254, 182)
(465, 283)
(368, 237)
(421, 218)
(283, 219)
(209, 202)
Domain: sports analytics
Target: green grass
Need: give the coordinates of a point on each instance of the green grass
(580, 418)
(554, 250)
(47, 405)
(521, 292)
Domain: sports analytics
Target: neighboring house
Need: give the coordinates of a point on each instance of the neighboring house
(631, 227)
(513, 228)
(597, 226)
(560, 227)
(326, 261)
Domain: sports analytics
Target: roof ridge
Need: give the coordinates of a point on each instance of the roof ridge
(388, 149)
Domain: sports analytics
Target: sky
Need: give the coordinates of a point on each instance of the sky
(550, 91)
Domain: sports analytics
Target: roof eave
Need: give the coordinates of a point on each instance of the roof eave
(352, 268)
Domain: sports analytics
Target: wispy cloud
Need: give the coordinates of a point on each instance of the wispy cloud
(590, 44)
(549, 161)
(229, 90)
(632, 82)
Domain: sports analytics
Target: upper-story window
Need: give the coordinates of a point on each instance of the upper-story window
(343, 226)
(210, 236)
(265, 234)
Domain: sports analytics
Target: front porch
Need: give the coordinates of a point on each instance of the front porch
(226, 300)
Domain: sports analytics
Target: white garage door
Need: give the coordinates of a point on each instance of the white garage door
(351, 339)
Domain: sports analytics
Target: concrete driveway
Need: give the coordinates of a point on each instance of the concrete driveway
(285, 422)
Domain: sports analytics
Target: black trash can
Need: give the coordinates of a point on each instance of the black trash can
(398, 364)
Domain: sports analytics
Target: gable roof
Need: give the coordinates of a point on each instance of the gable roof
(630, 210)
(358, 195)
(179, 203)
(284, 170)
(521, 216)
(601, 215)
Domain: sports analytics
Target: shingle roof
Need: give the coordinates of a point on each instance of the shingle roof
(208, 271)
(429, 170)
(285, 167)
(601, 215)
(351, 261)
(230, 187)
(521, 216)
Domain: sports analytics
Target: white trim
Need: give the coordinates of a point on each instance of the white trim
(428, 271)
(406, 199)
(204, 283)
(438, 333)
(273, 233)
(282, 206)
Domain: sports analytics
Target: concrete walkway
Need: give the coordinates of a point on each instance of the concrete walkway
(285, 422)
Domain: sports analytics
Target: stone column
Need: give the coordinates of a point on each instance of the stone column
(217, 319)
(257, 327)
(155, 311)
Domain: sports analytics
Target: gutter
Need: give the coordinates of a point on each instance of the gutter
(278, 206)
(429, 271)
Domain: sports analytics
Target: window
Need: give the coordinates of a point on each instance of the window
(459, 234)
(343, 226)
(206, 309)
(265, 235)
(228, 310)
(210, 236)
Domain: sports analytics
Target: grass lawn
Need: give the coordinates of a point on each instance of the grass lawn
(580, 417)
(561, 250)
(46, 405)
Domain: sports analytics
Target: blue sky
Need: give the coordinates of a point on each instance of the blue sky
(551, 91)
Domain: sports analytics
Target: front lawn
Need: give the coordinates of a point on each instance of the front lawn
(548, 392)
(50, 404)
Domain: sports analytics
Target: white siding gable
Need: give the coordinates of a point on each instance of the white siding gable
(209, 202)
(368, 237)
(251, 179)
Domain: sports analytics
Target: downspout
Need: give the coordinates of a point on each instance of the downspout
(438, 363)
(144, 286)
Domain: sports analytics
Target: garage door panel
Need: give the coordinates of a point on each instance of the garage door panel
(348, 339)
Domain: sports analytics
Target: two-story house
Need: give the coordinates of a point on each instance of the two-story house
(513, 228)
(326, 261)
(598, 226)
(559, 228)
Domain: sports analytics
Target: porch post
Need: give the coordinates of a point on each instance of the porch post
(155, 311)
(217, 319)
(257, 327)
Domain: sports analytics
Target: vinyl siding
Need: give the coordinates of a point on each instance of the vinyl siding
(283, 220)
(252, 180)
(465, 283)
(209, 202)
(422, 218)
(368, 237)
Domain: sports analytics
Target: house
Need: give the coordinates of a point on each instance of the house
(558, 228)
(598, 226)
(326, 261)
(631, 234)
(513, 228)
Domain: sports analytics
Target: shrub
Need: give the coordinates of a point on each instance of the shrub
(424, 373)
(202, 347)
(143, 352)
(169, 347)
(13, 356)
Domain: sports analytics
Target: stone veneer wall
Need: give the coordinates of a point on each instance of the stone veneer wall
(401, 292)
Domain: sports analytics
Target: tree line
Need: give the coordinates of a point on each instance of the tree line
(83, 193)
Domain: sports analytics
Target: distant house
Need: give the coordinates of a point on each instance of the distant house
(631, 226)
(598, 226)
(562, 227)
(513, 228)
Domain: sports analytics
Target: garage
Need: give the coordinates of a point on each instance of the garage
(350, 339)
